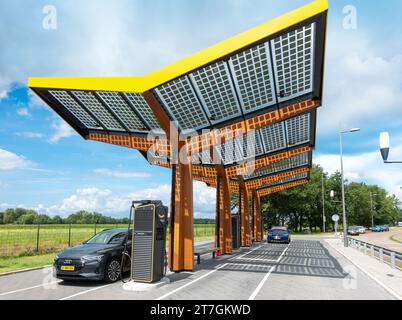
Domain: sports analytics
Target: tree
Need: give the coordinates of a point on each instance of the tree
(57, 220)
(28, 218)
(1, 217)
(301, 207)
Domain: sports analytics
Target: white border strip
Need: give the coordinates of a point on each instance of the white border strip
(261, 284)
(29, 288)
(389, 290)
(191, 282)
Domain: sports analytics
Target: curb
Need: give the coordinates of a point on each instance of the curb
(389, 290)
(392, 238)
(24, 270)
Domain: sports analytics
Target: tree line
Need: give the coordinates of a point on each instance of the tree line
(28, 216)
(302, 207)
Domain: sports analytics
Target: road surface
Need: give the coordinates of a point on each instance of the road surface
(305, 269)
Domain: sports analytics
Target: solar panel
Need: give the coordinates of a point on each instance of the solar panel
(300, 160)
(215, 89)
(293, 62)
(252, 72)
(298, 130)
(250, 145)
(138, 103)
(99, 111)
(286, 180)
(283, 165)
(116, 103)
(179, 99)
(230, 152)
(74, 108)
(273, 137)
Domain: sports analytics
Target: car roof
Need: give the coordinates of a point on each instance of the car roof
(279, 228)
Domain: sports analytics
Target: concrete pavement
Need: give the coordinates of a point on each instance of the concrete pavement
(305, 269)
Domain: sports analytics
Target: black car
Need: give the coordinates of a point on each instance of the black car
(99, 258)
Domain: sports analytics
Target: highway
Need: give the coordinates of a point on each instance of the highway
(305, 269)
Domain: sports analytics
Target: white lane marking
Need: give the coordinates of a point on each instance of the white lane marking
(84, 292)
(191, 282)
(30, 288)
(261, 284)
(257, 290)
(246, 253)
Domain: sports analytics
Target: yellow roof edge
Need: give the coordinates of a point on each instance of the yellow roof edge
(188, 64)
(119, 84)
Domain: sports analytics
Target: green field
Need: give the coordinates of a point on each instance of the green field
(23, 240)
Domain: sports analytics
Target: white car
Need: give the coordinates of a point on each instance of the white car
(362, 230)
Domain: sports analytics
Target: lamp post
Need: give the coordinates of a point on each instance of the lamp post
(323, 202)
(385, 146)
(372, 211)
(345, 224)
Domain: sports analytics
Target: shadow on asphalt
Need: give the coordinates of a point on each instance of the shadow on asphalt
(302, 258)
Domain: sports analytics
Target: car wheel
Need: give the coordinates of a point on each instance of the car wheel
(112, 271)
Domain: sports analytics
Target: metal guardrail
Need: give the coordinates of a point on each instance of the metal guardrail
(393, 258)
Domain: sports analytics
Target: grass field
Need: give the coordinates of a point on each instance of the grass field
(23, 240)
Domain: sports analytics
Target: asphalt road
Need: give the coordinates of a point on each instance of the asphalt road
(383, 239)
(305, 269)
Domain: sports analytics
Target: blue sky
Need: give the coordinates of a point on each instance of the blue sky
(46, 166)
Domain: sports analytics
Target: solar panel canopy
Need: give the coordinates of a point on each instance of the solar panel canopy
(268, 68)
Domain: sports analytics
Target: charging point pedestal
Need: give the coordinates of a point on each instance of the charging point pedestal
(140, 286)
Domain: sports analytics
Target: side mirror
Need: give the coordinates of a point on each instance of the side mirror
(85, 242)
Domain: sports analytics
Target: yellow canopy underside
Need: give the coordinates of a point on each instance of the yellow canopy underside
(193, 62)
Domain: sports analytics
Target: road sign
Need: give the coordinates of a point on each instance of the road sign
(335, 218)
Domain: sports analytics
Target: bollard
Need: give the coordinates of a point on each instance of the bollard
(381, 255)
(393, 260)
(367, 249)
(372, 252)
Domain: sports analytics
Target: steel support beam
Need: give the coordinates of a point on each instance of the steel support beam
(181, 236)
(223, 214)
(244, 214)
(258, 237)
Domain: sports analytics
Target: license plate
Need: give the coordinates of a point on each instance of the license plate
(67, 268)
(277, 238)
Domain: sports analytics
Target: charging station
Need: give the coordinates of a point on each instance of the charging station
(148, 263)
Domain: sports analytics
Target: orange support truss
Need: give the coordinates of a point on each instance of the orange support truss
(181, 237)
(268, 191)
(256, 183)
(223, 213)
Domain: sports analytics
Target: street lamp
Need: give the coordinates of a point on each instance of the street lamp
(385, 146)
(345, 224)
(372, 211)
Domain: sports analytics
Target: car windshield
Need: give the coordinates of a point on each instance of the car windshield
(278, 231)
(108, 237)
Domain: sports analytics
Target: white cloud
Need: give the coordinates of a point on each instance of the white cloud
(106, 202)
(122, 174)
(62, 130)
(363, 85)
(23, 112)
(11, 161)
(368, 168)
(30, 135)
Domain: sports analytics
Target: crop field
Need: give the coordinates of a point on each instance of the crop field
(21, 240)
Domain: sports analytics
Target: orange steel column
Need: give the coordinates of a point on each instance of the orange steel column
(181, 231)
(223, 240)
(244, 212)
(257, 218)
(181, 237)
